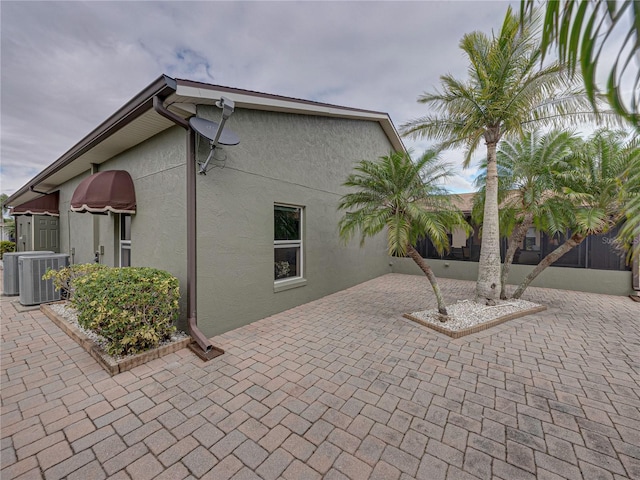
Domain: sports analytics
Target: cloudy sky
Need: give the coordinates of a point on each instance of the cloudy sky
(67, 66)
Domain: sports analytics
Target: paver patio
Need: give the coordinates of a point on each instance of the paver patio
(342, 387)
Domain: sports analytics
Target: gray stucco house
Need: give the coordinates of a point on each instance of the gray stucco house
(257, 234)
(254, 236)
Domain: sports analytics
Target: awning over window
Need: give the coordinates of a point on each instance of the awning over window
(102, 192)
(44, 205)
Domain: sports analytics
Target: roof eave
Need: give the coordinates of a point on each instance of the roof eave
(263, 101)
(139, 104)
(165, 86)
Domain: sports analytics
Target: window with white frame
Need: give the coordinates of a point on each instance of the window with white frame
(125, 240)
(288, 256)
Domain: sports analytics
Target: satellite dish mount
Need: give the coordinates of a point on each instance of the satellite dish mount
(213, 131)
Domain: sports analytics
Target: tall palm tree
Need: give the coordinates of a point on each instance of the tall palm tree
(506, 90)
(528, 170)
(591, 192)
(406, 198)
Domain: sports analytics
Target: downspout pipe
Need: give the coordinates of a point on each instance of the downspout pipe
(33, 189)
(194, 331)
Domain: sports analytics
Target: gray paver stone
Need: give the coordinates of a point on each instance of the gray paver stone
(145, 468)
(275, 464)
(199, 461)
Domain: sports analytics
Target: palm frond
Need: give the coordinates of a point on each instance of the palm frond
(506, 91)
(580, 30)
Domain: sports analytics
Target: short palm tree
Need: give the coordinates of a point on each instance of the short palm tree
(406, 198)
(528, 169)
(506, 90)
(591, 188)
(3, 198)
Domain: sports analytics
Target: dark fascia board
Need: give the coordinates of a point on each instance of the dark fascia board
(143, 101)
(266, 101)
(253, 93)
(164, 86)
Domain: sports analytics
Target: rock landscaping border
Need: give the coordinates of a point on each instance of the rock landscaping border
(476, 328)
(105, 360)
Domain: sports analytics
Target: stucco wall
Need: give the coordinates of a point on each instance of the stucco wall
(158, 229)
(23, 236)
(76, 229)
(281, 158)
(584, 280)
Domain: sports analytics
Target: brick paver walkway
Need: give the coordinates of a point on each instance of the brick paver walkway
(343, 387)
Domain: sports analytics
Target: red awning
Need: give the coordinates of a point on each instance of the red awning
(102, 192)
(44, 205)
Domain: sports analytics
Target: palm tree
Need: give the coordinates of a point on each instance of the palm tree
(3, 198)
(407, 199)
(506, 90)
(592, 194)
(528, 169)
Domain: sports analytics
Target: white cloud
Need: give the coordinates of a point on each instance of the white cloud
(67, 66)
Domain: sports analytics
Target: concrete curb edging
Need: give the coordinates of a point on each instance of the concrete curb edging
(476, 328)
(107, 362)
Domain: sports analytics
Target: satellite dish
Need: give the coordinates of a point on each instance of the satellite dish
(209, 130)
(214, 131)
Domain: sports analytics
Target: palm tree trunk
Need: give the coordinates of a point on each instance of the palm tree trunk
(514, 242)
(489, 268)
(551, 258)
(416, 257)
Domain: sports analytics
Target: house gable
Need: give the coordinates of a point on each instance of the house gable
(137, 121)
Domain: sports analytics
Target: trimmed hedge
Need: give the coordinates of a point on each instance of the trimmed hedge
(64, 278)
(134, 308)
(5, 247)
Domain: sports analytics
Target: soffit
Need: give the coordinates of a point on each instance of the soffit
(142, 128)
(253, 103)
(150, 123)
(203, 94)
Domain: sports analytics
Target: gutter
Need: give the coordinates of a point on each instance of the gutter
(129, 112)
(208, 350)
(277, 103)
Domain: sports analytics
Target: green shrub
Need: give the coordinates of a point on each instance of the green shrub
(64, 278)
(133, 308)
(6, 246)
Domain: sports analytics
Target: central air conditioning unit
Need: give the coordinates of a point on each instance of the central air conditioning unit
(10, 280)
(33, 289)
